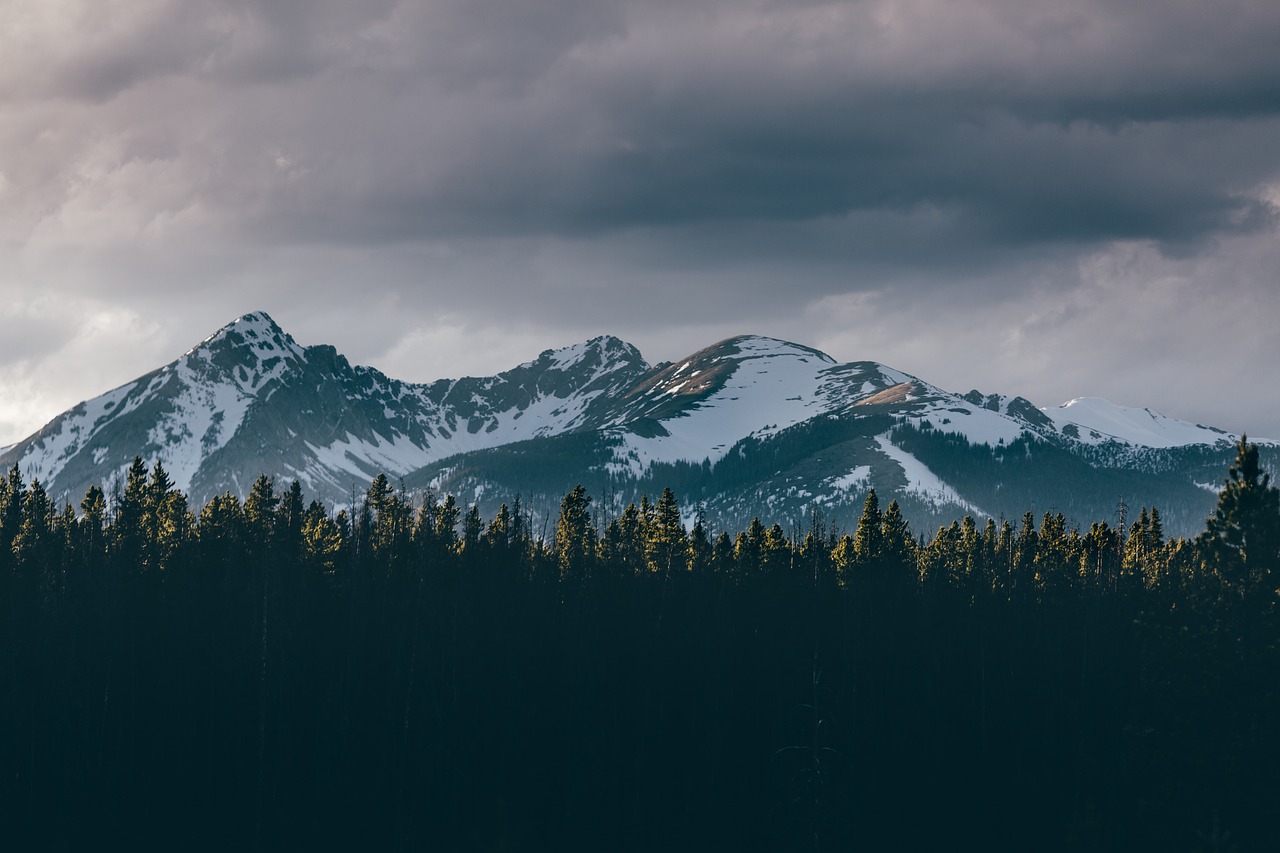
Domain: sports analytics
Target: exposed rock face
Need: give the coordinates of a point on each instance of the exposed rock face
(746, 426)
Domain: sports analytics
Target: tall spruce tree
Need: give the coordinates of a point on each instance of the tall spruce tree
(667, 546)
(575, 540)
(1242, 538)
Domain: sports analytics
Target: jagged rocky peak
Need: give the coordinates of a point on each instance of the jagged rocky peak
(251, 349)
(601, 364)
(601, 354)
(254, 334)
(1019, 408)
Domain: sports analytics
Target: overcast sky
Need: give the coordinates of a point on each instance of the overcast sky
(1051, 198)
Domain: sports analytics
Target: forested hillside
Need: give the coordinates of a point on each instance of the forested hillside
(266, 674)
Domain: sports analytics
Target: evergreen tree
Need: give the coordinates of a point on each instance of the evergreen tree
(168, 523)
(700, 548)
(775, 553)
(844, 557)
(575, 542)
(1242, 538)
(260, 514)
(13, 494)
(748, 549)
(35, 548)
(322, 540)
(92, 533)
(898, 548)
(128, 528)
(498, 535)
(868, 538)
(722, 554)
(472, 530)
(667, 546)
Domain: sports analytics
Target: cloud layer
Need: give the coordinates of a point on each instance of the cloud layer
(1046, 198)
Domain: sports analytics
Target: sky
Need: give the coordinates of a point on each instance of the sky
(1049, 198)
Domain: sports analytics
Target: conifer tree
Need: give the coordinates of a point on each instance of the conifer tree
(844, 557)
(722, 554)
(700, 548)
(748, 549)
(92, 530)
(898, 547)
(1024, 557)
(128, 528)
(574, 543)
(666, 547)
(35, 549)
(322, 540)
(290, 516)
(775, 554)
(630, 540)
(868, 538)
(12, 494)
(167, 524)
(447, 516)
(259, 513)
(472, 529)
(497, 536)
(1242, 538)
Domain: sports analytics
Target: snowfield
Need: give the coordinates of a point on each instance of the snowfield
(924, 483)
(250, 398)
(1097, 421)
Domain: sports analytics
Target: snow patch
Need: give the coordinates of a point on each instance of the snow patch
(922, 482)
(855, 479)
(1097, 421)
(774, 385)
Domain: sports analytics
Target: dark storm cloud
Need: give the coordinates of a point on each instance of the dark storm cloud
(664, 170)
(1001, 124)
(1020, 123)
(1023, 123)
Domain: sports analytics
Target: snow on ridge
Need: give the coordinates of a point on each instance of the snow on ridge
(565, 358)
(69, 433)
(398, 455)
(978, 425)
(207, 415)
(1097, 421)
(759, 346)
(773, 385)
(255, 325)
(856, 478)
(922, 482)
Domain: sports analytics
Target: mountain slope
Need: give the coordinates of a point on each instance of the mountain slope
(250, 400)
(750, 425)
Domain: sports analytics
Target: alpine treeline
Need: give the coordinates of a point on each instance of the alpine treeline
(267, 674)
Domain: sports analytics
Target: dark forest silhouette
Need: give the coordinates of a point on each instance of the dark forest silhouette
(407, 675)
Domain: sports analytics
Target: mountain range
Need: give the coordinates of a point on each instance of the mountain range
(749, 426)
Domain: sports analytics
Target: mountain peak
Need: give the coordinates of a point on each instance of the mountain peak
(253, 325)
(251, 338)
(1095, 420)
(760, 346)
(600, 354)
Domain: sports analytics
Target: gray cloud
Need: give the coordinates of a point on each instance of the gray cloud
(559, 168)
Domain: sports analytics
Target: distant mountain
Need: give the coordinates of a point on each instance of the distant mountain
(748, 426)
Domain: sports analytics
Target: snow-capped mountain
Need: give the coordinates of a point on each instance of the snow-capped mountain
(750, 425)
(758, 426)
(249, 400)
(1097, 421)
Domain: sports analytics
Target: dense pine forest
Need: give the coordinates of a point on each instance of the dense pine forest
(407, 675)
